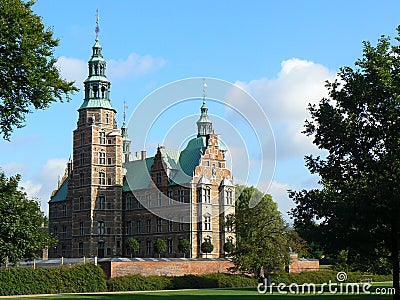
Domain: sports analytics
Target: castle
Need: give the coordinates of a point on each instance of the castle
(108, 195)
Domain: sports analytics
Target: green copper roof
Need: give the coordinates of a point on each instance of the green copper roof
(96, 103)
(137, 174)
(180, 163)
(61, 193)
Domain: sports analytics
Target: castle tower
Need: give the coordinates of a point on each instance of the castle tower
(96, 183)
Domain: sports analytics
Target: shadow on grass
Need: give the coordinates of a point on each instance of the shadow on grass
(214, 295)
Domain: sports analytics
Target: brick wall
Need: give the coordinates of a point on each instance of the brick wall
(179, 267)
(167, 268)
(298, 265)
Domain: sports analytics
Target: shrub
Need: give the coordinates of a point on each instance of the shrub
(139, 283)
(81, 278)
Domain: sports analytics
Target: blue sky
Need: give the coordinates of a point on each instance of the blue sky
(281, 52)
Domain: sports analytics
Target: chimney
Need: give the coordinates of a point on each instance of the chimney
(143, 154)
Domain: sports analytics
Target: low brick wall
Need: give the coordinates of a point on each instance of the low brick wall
(165, 268)
(298, 265)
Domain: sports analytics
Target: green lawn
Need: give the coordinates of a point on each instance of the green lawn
(232, 294)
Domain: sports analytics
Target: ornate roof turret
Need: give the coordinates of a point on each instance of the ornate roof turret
(97, 86)
(204, 124)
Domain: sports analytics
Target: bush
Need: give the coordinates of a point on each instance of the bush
(139, 283)
(81, 278)
(323, 276)
(144, 283)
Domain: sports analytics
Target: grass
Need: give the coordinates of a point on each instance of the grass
(215, 294)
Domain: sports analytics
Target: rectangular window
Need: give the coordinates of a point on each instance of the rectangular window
(80, 249)
(107, 119)
(148, 198)
(81, 178)
(128, 202)
(148, 247)
(82, 159)
(207, 195)
(170, 225)
(82, 139)
(159, 199)
(81, 228)
(108, 251)
(182, 195)
(102, 178)
(108, 230)
(109, 205)
(109, 181)
(158, 177)
(64, 231)
(159, 225)
(138, 203)
(109, 160)
(81, 203)
(148, 225)
(207, 222)
(170, 246)
(181, 225)
(64, 210)
(55, 211)
(129, 228)
(102, 158)
(100, 227)
(102, 138)
(169, 195)
(101, 202)
(229, 199)
(207, 163)
(139, 226)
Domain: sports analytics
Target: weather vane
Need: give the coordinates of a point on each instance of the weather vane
(97, 30)
(204, 90)
(125, 108)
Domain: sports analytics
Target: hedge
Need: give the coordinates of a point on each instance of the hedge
(322, 276)
(77, 279)
(141, 283)
(90, 278)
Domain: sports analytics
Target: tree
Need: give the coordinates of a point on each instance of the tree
(160, 247)
(261, 244)
(357, 207)
(132, 245)
(21, 220)
(184, 247)
(28, 75)
(229, 247)
(207, 247)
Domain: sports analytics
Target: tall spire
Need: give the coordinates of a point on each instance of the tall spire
(97, 86)
(204, 124)
(97, 29)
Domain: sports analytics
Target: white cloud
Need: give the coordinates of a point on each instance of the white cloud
(279, 194)
(72, 69)
(135, 64)
(285, 100)
(14, 168)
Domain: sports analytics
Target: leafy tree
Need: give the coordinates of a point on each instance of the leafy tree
(297, 244)
(21, 220)
(229, 247)
(160, 247)
(132, 245)
(358, 206)
(28, 75)
(207, 247)
(184, 247)
(261, 242)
